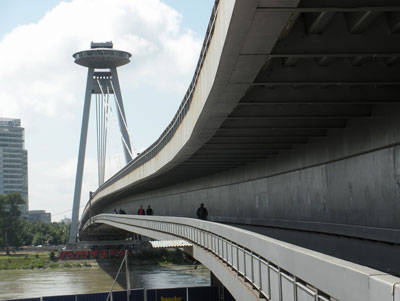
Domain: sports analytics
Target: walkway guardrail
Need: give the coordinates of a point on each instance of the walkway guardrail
(275, 269)
(198, 293)
(168, 133)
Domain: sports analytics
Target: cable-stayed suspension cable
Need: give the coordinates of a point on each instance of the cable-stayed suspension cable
(103, 109)
(102, 131)
(119, 109)
(102, 138)
(106, 111)
(124, 123)
(114, 160)
(98, 136)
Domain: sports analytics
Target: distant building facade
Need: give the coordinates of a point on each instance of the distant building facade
(39, 216)
(13, 160)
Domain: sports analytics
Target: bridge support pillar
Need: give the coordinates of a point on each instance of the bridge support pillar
(224, 294)
(81, 158)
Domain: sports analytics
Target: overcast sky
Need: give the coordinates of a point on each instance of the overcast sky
(41, 85)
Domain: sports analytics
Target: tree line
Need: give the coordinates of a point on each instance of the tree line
(16, 232)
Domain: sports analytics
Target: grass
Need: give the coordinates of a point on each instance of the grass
(41, 260)
(24, 261)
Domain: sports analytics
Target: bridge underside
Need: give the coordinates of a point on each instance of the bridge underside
(305, 135)
(104, 232)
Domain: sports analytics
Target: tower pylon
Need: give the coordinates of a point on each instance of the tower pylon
(102, 80)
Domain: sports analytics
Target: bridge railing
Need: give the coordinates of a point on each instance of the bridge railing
(275, 269)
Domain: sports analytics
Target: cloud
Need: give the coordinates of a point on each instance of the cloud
(37, 73)
(40, 84)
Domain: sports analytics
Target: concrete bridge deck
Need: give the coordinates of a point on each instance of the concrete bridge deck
(291, 122)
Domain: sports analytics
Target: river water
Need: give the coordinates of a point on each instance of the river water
(49, 282)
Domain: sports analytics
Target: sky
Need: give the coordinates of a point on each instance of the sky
(41, 85)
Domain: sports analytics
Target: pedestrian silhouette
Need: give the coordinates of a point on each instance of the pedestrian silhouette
(149, 211)
(202, 212)
(141, 211)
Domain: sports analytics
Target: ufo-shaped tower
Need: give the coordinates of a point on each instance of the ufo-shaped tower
(102, 81)
(102, 56)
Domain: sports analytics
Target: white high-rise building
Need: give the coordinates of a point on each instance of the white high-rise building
(13, 160)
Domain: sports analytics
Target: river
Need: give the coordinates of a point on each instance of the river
(49, 282)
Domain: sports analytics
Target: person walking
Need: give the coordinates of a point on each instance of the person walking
(149, 211)
(141, 211)
(202, 212)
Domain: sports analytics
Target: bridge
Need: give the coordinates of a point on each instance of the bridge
(289, 134)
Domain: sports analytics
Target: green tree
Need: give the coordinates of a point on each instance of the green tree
(10, 220)
(39, 233)
(27, 233)
(15, 231)
(39, 238)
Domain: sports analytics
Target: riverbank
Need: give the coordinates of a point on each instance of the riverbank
(49, 260)
(40, 260)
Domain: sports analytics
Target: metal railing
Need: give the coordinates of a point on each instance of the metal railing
(266, 264)
(264, 276)
(168, 133)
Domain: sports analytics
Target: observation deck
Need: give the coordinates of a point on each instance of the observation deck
(102, 58)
